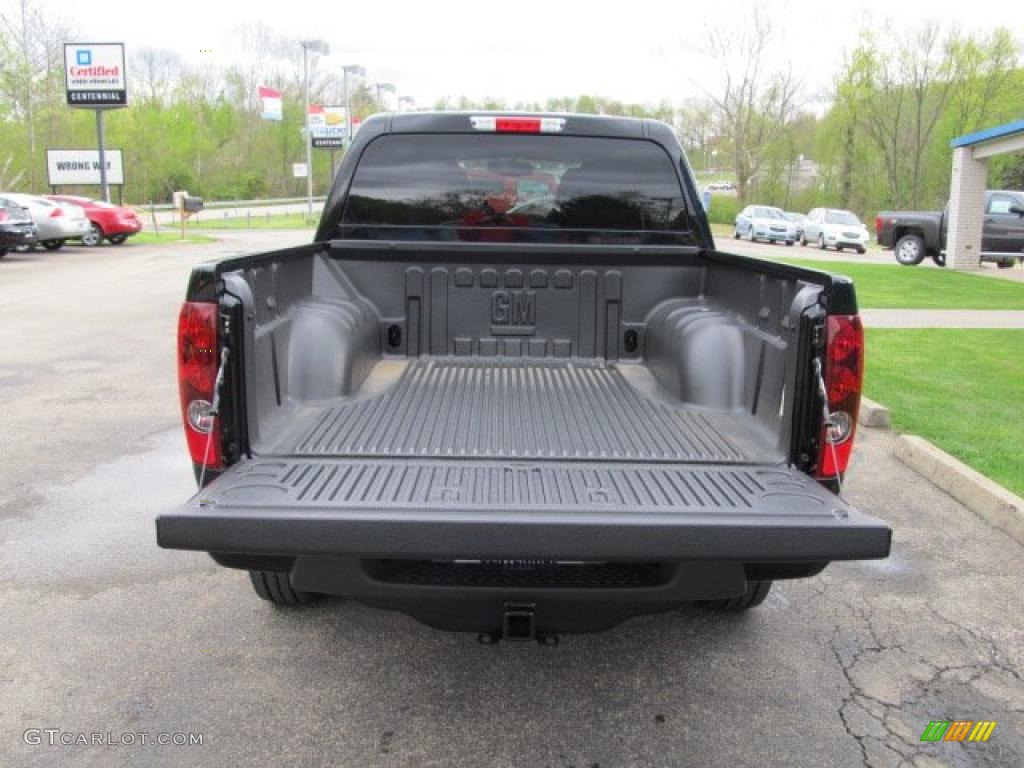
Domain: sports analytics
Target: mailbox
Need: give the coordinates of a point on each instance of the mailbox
(190, 204)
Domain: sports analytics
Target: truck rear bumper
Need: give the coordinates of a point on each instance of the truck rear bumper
(428, 509)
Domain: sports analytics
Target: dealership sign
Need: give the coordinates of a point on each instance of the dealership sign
(94, 74)
(327, 126)
(74, 167)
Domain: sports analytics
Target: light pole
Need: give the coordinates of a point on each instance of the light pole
(316, 46)
(357, 71)
(406, 100)
(381, 89)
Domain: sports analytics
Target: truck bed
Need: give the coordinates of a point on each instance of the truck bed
(538, 410)
(396, 410)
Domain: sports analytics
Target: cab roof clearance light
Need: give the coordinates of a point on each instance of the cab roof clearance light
(498, 124)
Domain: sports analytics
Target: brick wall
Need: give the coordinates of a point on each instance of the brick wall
(966, 210)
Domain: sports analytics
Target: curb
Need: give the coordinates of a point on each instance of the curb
(873, 415)
(985, 498)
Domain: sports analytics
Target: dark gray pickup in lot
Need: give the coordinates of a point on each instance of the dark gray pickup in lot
(916, 235)
(512, 388)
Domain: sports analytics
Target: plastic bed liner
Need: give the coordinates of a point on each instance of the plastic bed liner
(451, 407)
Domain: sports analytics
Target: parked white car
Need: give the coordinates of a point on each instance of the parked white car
(763, 222)
(56, 222)
(832, 227)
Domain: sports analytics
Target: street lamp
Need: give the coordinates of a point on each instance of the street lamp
(316, 46)
(356, 71)
(406, 100)
(384, 88)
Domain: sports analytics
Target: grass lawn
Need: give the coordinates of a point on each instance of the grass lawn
(256, 221)
(166, 236)
(891, 286)
(961, 389)
(882, 286)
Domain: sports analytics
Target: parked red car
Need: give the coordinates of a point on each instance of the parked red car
(116, 223)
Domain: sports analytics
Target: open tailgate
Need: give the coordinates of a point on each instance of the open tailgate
(428, 508)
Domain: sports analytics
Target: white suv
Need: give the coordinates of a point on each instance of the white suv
(837, 228)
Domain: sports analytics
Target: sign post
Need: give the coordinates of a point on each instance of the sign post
(95, 79)
(102, 147)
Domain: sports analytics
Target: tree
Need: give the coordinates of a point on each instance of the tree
(154, 72)
(31, 80)
(753, 102)
(1009, 172)
(909, 95)
(982, 70)
(9, 179)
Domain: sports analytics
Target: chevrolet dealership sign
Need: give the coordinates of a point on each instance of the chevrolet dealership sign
(94, 74)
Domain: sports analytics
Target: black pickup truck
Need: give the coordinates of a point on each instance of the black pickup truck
(915, 235)
(512, 388)
(16, 227)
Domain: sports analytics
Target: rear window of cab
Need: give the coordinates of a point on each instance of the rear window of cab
(515, 187)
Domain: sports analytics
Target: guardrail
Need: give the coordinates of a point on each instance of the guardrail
(164, 215)
(218, 204)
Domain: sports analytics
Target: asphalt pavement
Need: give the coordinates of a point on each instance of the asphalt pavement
(105, 633)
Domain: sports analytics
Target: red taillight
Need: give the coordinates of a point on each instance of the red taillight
(844, 374)
(878, 226)
(197, 376)
(3, 215)
(56, 213)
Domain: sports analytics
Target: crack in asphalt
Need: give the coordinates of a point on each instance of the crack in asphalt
(850, 698)
(857, 697)
(992, 649)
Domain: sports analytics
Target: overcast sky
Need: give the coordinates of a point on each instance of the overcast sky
(524, 49)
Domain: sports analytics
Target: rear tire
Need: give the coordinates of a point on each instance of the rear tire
(821, 242)
(789, 243)
(277, 589)
(756, 592)
(862, 251)
(939, 259)
(1004, 264)
(909, 250)
(52, 245)
(93, 237)
(117, 239)
(3, 252)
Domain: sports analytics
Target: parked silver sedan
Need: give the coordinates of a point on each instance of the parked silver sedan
(56, 222)
(833, 227)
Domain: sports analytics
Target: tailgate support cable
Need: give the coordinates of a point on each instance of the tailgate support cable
(214, 408)
(827, 421)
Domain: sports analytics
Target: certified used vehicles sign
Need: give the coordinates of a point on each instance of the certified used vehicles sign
(94, 74)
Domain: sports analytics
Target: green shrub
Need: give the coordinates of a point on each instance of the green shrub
(723, 209)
